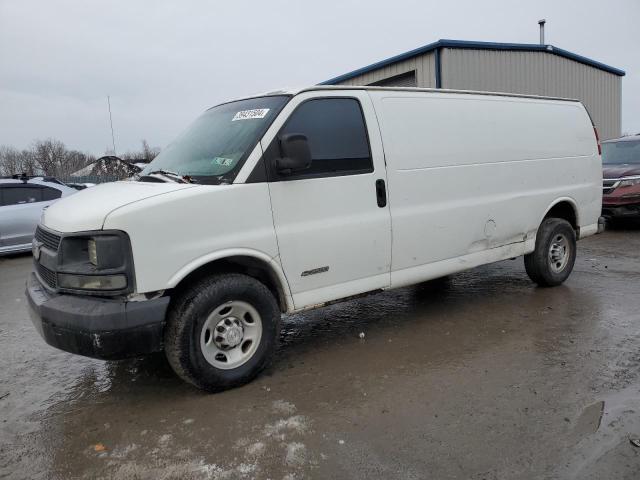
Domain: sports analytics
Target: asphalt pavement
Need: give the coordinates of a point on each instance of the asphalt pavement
(481, 375)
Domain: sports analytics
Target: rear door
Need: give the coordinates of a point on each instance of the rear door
(332, 221)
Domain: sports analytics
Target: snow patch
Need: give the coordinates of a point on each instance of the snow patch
(123, 452)
(282, 406)
(296, 454)
(164, 440)
(255, 449)
(245, 468)
(294, 424)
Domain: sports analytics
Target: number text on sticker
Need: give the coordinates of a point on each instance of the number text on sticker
(248, 114)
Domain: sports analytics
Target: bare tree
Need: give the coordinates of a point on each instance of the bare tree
(146, 154)
(54, 159)
(16, 162)
(74, 161)
(46, 157)
(149, 152)
(50, 155)
(8, 160)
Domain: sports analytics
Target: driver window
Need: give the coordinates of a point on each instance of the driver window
(337, 137)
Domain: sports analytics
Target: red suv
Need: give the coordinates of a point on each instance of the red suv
(621, 177)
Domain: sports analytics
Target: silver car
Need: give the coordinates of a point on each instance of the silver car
(22, 200)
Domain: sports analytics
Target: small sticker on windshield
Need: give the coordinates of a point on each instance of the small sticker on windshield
(225, 162)
(249, 114)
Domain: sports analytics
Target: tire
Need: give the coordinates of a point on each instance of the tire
(205, 322)
(551, 263)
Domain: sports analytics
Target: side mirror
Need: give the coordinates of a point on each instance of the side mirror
(295, 154)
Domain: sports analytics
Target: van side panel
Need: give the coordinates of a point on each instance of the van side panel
(470, 173)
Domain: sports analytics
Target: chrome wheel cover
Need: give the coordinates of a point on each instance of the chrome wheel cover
(559, 253)
(231, 334)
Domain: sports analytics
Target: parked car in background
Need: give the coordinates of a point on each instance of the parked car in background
(22, 200)
(621, 177)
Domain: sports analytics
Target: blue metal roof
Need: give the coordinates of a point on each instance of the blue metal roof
(525, 47)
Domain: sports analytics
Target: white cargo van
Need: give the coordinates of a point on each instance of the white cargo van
(287, 201)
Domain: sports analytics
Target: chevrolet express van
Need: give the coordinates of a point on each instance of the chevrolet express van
(293, 199)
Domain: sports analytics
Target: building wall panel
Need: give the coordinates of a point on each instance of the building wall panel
(537, 73)
(424, 66)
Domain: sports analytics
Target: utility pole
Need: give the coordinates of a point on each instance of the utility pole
(113, 141)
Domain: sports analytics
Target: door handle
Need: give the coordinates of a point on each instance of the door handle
(381, 193)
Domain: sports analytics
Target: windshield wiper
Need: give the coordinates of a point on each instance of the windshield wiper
(173, 176)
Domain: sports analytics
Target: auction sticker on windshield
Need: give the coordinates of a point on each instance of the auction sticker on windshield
(225, 162)
(249, 114)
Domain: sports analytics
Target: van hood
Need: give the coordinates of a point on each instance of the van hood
(619, 171)
(87, 209)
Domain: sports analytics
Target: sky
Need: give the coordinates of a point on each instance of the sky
(163, 62)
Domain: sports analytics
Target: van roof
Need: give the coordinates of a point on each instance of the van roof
(296, 91)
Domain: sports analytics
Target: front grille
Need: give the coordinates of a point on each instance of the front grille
(48, 239)
(49, 277)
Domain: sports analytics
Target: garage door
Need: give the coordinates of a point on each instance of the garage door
(404, 80)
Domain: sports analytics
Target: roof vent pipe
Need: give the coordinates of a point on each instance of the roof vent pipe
(541, 23)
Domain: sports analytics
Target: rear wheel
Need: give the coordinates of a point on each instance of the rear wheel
(222, 332)
(552, 261)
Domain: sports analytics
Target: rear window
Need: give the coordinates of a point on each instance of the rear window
(17, 195)
(49, 193)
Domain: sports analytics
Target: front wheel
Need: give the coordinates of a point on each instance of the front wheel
(222, 332)
(551, 262)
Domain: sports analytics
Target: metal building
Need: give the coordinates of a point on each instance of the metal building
(535, 69)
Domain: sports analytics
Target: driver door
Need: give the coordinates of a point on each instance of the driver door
(332, 220)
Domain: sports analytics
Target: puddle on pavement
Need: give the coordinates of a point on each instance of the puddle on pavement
(603, 430)
(470, 363)
(589, 420)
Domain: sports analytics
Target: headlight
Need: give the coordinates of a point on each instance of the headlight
(93, 253)
(629, 181)
(96, 261)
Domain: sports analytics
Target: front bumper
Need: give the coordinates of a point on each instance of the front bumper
(621, 210)
(97, 327)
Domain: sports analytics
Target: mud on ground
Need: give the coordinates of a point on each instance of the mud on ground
(480, 376)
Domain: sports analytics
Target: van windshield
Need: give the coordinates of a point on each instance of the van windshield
(214, 148)
(621, 152)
